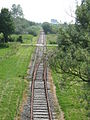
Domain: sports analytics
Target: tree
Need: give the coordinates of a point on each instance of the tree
(73, 53)
(47, 27)
(6, 23)
(83, 22)
(16, 11)
(83, 15)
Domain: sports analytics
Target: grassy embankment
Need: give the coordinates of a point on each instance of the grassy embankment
(14, 61)
(71, 93)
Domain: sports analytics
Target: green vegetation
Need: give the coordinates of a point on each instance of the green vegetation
(71, 96)
(46, 27)
(23, 26)
(27, 38)
(51, 39)
(50, 28)
(14, 61)
(6, 24)
(70, 64)
(14, 58)
(13, 22)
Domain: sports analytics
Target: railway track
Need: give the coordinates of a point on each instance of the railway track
(41, 107)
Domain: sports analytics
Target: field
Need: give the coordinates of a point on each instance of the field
(14, 61)
(51, 39)
(73, 94)
(27, 39)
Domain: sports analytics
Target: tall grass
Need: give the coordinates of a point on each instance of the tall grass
(13, 69)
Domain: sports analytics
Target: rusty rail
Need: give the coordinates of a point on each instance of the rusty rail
(45, 87)
(46, 92)
(32, 90)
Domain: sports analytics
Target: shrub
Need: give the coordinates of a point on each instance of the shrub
(19, 39)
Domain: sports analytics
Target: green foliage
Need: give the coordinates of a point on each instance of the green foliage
(51, 39)
(50, 28)
(71, 63)
(13, 22)
(83, 23)
(1, 38)
(83, 15)
(47, 27)
(55, 28)
(27, 38)
(73, 94)
(64, 38)
(23, 26)
(6, 23)
(74, 45)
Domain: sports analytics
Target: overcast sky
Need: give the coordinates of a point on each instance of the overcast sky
(44, 10)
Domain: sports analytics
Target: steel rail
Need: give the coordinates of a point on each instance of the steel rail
(32, 90)
(45, 86)
(46, 92)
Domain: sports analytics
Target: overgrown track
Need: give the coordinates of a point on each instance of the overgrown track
(40, 105)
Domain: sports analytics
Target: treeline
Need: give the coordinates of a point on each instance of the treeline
(13, 22)
(23, 26)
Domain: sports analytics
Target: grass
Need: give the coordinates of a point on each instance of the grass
(14, 61)
(73, 95)
(51, 39)
(27, 38)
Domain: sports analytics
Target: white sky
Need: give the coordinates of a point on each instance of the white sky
(44, 10)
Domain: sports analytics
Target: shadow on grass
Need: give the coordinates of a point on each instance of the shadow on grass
(4, 45)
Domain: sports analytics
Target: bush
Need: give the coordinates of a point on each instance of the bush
(19, 39)
(11, 39)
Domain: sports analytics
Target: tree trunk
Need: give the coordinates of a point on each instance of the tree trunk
(5, 38)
